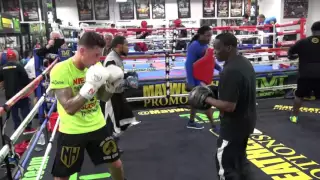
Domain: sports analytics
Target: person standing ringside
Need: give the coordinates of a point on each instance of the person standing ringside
(307, 50)
(118, 112)
(15, 78)
(195, 51)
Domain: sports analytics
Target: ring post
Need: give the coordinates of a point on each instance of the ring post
(302, 28)
(6, 158)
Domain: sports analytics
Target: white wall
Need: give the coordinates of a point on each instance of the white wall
(270, 8)
(275, 8)
(313, 15)
(67, 11)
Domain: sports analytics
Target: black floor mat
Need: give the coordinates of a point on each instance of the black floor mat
(162, 148)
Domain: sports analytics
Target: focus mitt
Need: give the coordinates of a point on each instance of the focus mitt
(189, 87)
(134, 74)
(132, 82)
(203, 68)
(198, 95)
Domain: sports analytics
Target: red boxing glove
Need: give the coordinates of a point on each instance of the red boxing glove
(141, 46)
(203, 69)
(144, 47)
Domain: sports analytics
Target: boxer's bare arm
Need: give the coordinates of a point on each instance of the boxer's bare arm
(70, 103)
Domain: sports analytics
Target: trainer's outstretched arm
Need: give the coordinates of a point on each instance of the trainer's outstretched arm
(69, 103)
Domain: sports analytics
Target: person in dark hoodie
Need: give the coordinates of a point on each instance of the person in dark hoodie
(15, 78)
(307, 51)
(55, 42)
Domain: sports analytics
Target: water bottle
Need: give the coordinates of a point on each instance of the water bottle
(41, 140)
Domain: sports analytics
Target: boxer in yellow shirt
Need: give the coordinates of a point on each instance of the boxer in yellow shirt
(78, 83)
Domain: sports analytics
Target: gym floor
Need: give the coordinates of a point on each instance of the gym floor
(162, 148)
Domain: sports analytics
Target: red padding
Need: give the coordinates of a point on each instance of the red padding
(52, 121)
(204, 67)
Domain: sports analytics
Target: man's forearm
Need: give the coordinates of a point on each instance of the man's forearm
(221, 105)
(74, 104)
(70, 104)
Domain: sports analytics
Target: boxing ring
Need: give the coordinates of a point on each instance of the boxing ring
(175, 152)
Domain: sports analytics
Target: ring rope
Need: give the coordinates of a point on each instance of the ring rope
(22, 93)
(136, 99)
(48, 149)
(16, 134)
(272, 62)
(19, 174)
(6, 149)
(183, 60)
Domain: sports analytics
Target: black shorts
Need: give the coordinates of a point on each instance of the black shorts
(99, 144)
(306, 86)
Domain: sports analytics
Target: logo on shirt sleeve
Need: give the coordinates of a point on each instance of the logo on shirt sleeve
(56, 82)
(315, 40)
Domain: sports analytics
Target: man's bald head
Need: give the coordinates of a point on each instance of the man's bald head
(55, 35)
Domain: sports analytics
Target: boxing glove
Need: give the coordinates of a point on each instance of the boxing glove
(132, 80)
(96, 76)
(198, 96)
(189, 87)
(115, 78)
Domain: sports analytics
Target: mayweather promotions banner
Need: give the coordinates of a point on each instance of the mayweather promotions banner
(85, 10)
(184, 9)
(142, 9)
(223, 8)
(209, 8)
(126, 10)
(101, 9)
(12, 7)
(158, 9)
(30, 10)
(295, 9)
(236, 8)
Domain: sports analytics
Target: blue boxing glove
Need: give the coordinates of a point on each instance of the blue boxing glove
(270, 20)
